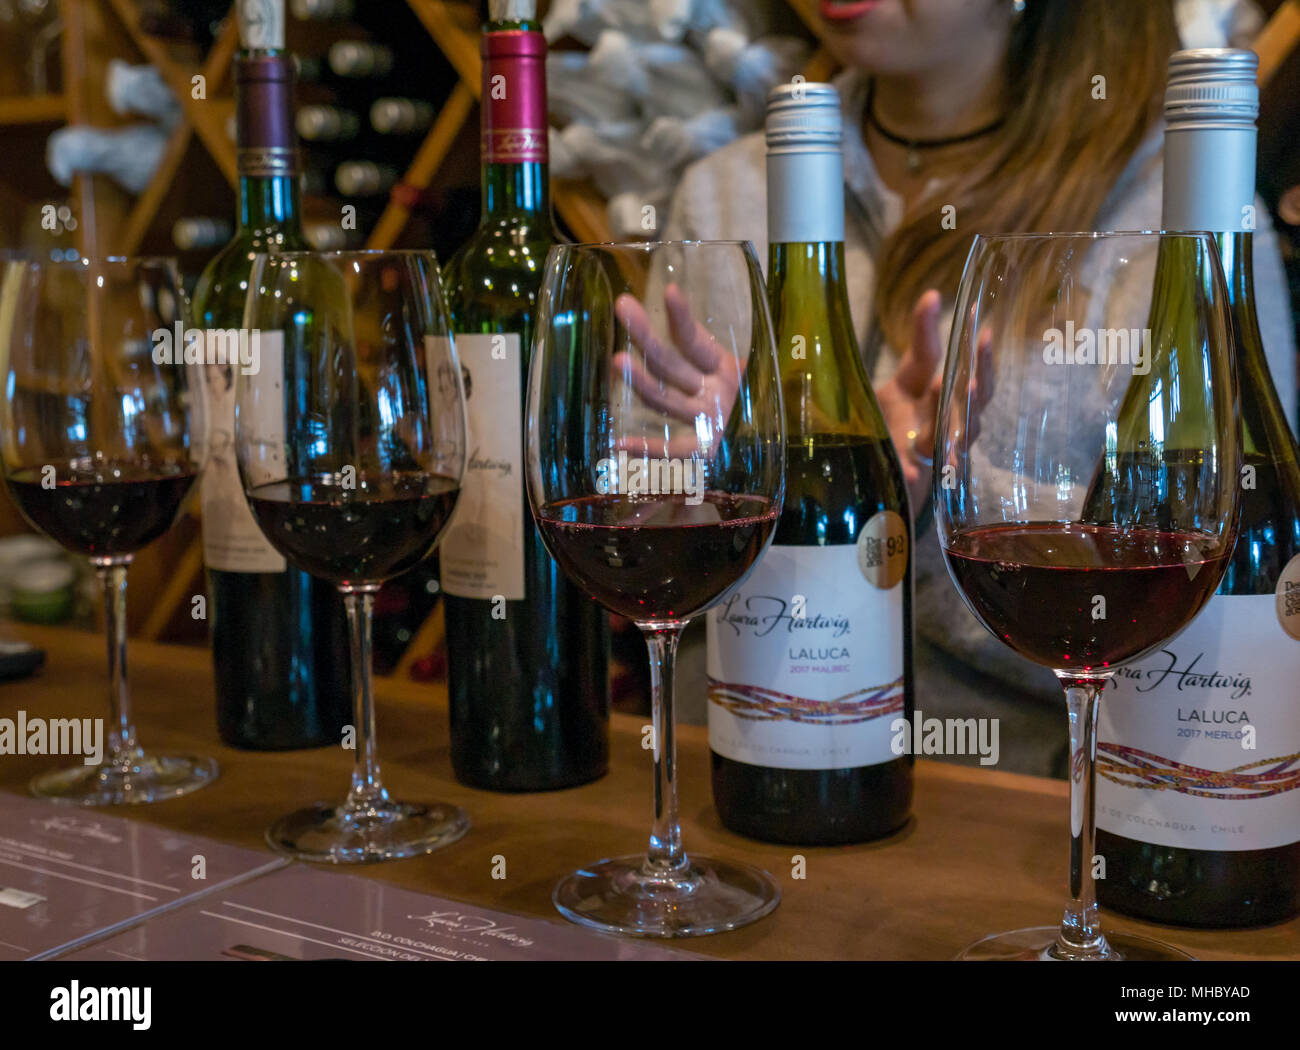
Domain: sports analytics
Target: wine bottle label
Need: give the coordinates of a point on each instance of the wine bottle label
(805, 660)
(1198, 744)
(232, 540)
(482, 553)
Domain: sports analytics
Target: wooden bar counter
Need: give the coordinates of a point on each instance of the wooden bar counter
(985, 851)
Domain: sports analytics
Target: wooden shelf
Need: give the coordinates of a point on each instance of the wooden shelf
(1278, 39)
(33, 109)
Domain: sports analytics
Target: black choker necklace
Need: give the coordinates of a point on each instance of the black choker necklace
(915, 146)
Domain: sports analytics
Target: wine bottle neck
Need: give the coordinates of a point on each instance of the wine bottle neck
(825, 386)
(1211, 106)
(1209, 181)
(1264, 425)
(516, 181)
(805, 196)
(269, 204)
(516, 191)
(267, 154)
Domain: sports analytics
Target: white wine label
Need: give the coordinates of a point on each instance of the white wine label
(482, 553)
(1198, 743)
(1288, 598)
(232, 540)
(805, 663)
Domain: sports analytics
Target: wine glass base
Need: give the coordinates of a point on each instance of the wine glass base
(148, 778)
(622, 895)
(1035, 944)
(386, 830)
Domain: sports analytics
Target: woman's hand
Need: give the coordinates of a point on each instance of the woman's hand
(692, 375)
(687, 377)
(910, 400)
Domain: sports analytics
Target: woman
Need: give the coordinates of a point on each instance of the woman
(961, 117)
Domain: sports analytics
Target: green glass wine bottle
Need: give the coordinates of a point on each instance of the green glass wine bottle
(820, 631)
(1198, 798)
(279, 637)
(527, 651)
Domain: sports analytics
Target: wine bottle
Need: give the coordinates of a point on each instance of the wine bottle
(279, 637)
(1198, 801)
(400, 116)
(327, 124)
(359, 59)
(331, 237)
(322, 10)
(316, 181)
(364, 178)
(311, 68)
(196, 232)
(809, 660)
(527, 651)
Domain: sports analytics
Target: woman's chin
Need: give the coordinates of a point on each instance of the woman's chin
(876, 38)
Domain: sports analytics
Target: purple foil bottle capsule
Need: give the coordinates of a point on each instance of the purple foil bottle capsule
(514, 97)
(264, 100)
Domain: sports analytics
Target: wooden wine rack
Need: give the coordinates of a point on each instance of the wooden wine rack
(112, 222)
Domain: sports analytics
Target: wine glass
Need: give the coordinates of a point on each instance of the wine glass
(1086, 483)
(102, 438)
(350, 439)
(654, 511)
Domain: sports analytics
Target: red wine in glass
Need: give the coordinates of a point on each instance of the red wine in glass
(655, 497)
(101, 441)
(358, 532)
(351, 446)
(105, 508)
(660, 557)
(1037, 587)
(1086, 503)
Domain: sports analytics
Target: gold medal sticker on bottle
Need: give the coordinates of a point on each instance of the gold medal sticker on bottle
(882, 549)
(1288, 598)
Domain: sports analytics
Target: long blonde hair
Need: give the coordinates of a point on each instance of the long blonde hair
(1059, 150)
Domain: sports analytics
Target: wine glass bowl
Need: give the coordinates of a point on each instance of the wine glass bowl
(655, 457)
(350, 438)
(1086, 492)
(102, 438)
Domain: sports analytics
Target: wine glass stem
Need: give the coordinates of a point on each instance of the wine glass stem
(122, 747)
(665, 853)
(1081, 935)
(367, 789)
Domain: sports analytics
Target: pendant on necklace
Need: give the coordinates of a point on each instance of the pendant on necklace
(913, 161)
